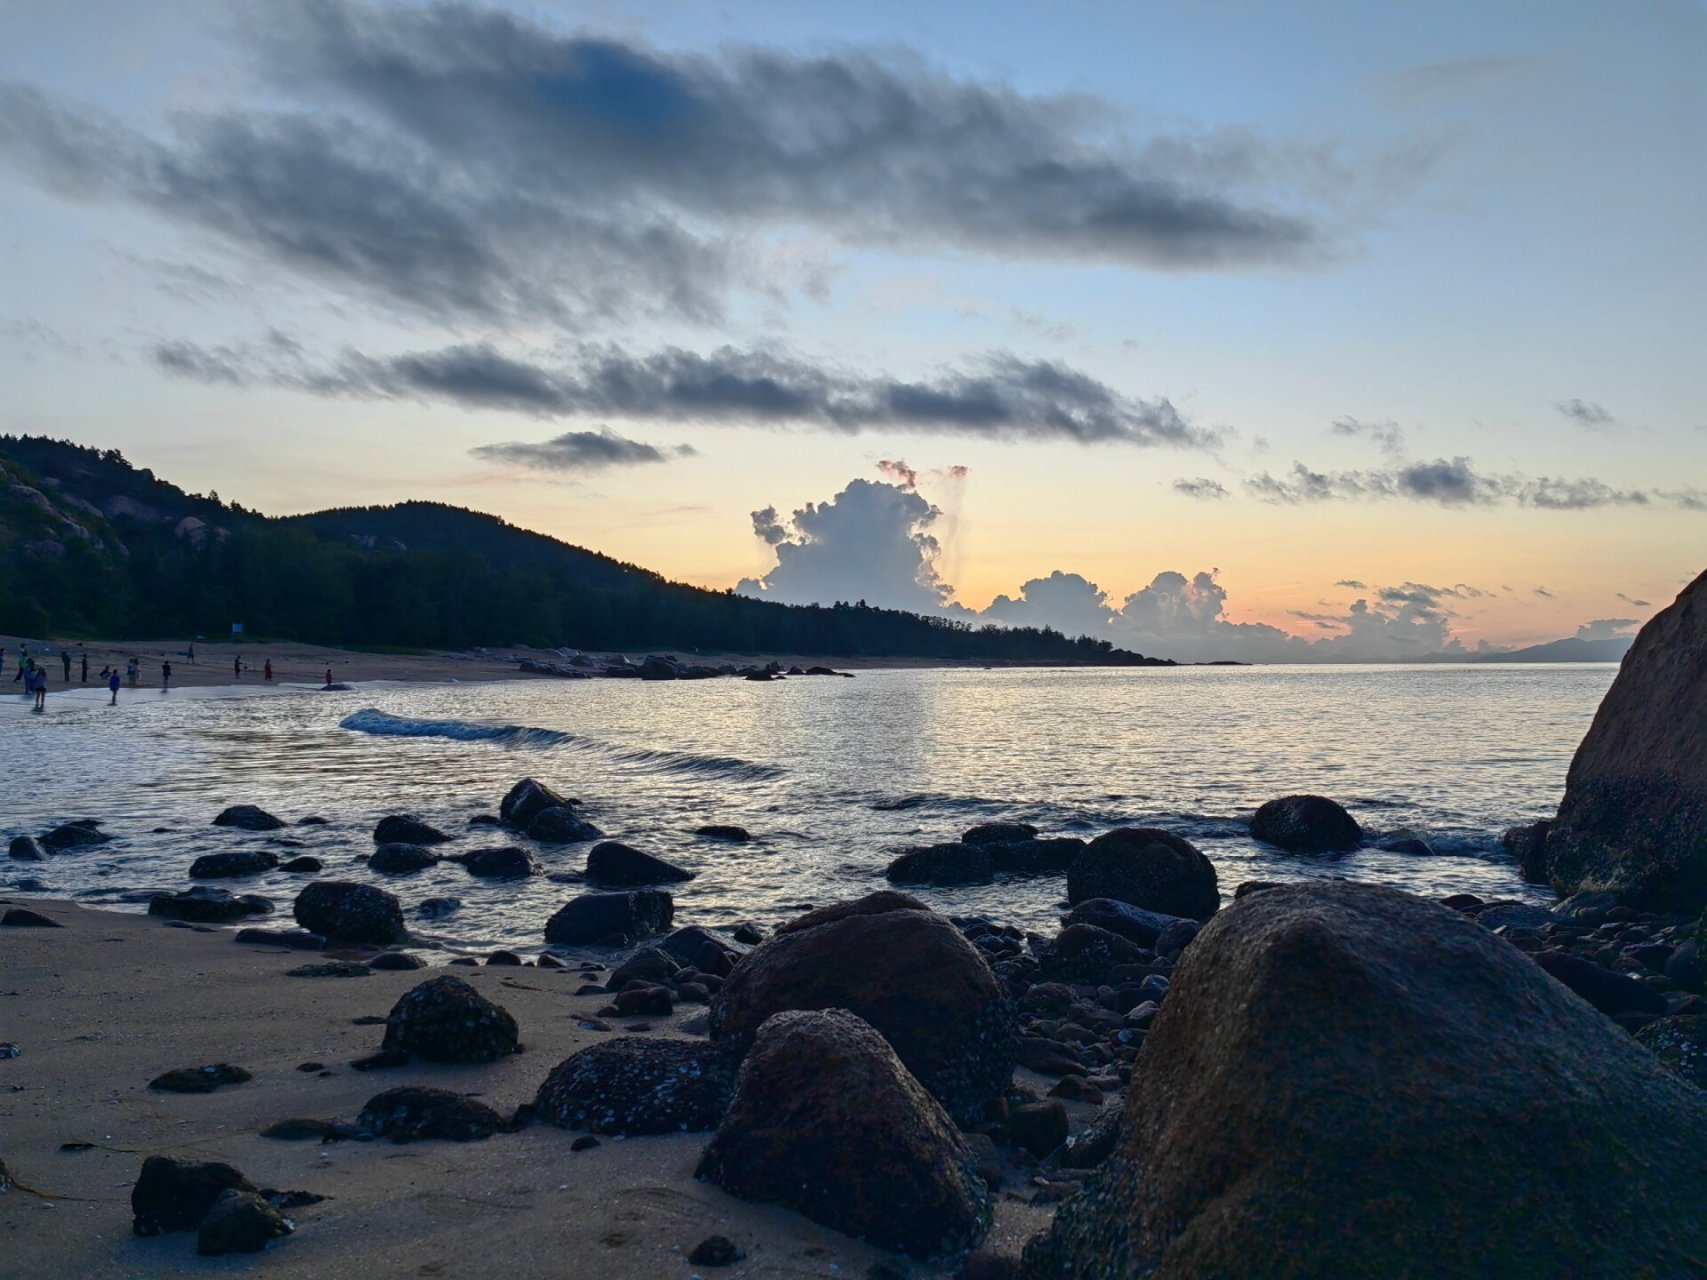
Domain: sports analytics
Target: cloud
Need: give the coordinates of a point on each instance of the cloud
(998, 396)
(580, 451)
(1068, 602)
(1353, 584)
(1455, 482)
(1634, 604)
(1607, 628)
(1542, 592)
(899, 472)
(1586, 413)
(1201, 487)
(1416, 86)
(1388, 435)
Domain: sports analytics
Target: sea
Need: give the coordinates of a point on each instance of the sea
(832, 776)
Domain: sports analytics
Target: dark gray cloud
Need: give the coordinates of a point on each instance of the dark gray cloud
(1455, 482)
(1607, 628)
(999, 397)
(1353, 584)
(1634, 604)
(1201, 487)
(1586, 413)
(1388, 435)
(580, 451)
(1542, 592)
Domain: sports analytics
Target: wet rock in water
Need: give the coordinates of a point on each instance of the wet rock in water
(1634, 816)
(1680, 1043)
(406, 828)
(999, 833)
(1513, 915)
(202, 905)
(248, 817)
(715, 1251)
(300, 1129)
(1132, 923)
(296, 939)
(1306, 824)
(302, 865)
(74, 835)
(1035, 857)
(239, 862)
(616, 919)
(617, 865)
(1401, 1094)
(330, 969)
(1148, 868)
(747, 933)
(199, 1079)
(240, 1222)
(508, 862)
(446, 1020)
(1607, 991)
(560, 826)
(26, 849)
(172, 1195)
(416, 1114)
(1039, 1127)
(699, 949)
(1414, 845)
(526, 801)
(24, 918)
(826, 1121)
(313, 820)
(401, 859)
(637, 1085)
(720, 831)
(1528, 844)
(349, 912)
(940, 864)
(437, 908)
(907, 971)
(650, 964)
(396, 960)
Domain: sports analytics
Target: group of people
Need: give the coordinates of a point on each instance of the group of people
(32, 674)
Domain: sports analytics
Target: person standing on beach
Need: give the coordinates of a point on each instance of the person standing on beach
(237, 668)
(165, 674)
(192, 651)
(65, 660)
(85, 668)
(41, 688)
(328, 677)
(267, 670)
(113, 684)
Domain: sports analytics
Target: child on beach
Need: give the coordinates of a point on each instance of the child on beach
(40, 682)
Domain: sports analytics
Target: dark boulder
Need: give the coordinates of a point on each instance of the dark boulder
(1634, 816)
(697, 948)
(417, 1114)
(446, 1020)
(170, 1195)
(615, 919)
(437, 908)
(24, 918)
(638, 1085)
(656, 667)
(1148, 868)
(26, 849)
(396, 961)
(202, 905)
(248, 817)
(1607, 991)
(827, 1122)
(649, 965)
(406, 828)
(1306, 824)
(240, 862)
(719, 831)
(508, 862)
(1038, 1127)
(1050, 857)
(1085, 953)
(559, 825)
(526, 801)
(1349, 1081)
(1132, 923)
(941, 864)
(617, 865)
(902, 968)
(240, 1222)
(1000, 833)
(401, 859)
(297, 939)
(303, 865)
(199, 1079)
(74, 835)
(348, 912)
(1528, 844)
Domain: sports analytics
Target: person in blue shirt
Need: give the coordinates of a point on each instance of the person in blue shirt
(113, 683)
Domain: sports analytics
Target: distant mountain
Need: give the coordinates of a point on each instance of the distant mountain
(1568, 650)
(92, 546)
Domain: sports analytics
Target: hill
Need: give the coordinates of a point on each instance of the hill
(92, 546)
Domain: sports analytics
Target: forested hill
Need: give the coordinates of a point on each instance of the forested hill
(91, 546)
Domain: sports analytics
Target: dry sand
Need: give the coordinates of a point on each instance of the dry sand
(103, 1005)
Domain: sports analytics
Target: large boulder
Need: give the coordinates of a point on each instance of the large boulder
(74, 835)
(202, 905)
(999, 833)
(616, 865)
(248, 817)
(827, 1122)
(1306, 824)
(174, 1195)
(1132, 923)
(26, 849)
(506, 862)
(446, 1020)
(1149, 868)
(526, 800)
(240, 1222)
(637, 1085)
(347, 912)
(238, 862)
(1048, 857)
(559, 825)
(1634, 816)
(614, 919)
(902, 968)
(415, 1113)
(406, 828)
(401, 859)
(1528, 844)
(941, 864)
(1346, 1080)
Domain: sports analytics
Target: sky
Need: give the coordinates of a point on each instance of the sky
(1291, 332)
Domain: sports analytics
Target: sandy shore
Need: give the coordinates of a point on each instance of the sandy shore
(103, 1005)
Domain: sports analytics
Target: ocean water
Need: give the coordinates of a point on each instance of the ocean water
(831, 775)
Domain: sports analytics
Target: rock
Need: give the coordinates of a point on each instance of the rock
(1350, 1081)
(24, 918)
(941, 864)
(384, 1060)
(330, 969)
(1034, 1053)
(416, 1114)
(1148, 868)
(406, 828)
(298, 1129)
(1094, 1143)
(446, 1020)
(240, 1222)
(1177, 937)
(504, 959)
(1132, 923)
(396, 961)
(715, 1251)
(1681, 1044)
(827, 1122)
(1039, 1127)
(747, 933)
(637, 1085)
(1306, 824)
(1085, 953)
(560, 826)
(901, 967)
(650, 964)
(1000, 833)
(1514, 915)
(617, 865)
(202, 905)
(649, 1001)
(1414, 845)
(699, 949)
(302, 865)
(26, 849)
(240, 862)
(1034, 857)
(348, 912)
(507, 862)
(660, 668)
(296, 939)
(199, 1079)
(613, 918)
(248, 817)
(1684, 967)
(1634, 816)
(174, 1196)
(526, 800)
(74, 835)
(401, 859)
(1528, 844)
(437, 908)
(1607, 991)
(717, 831)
